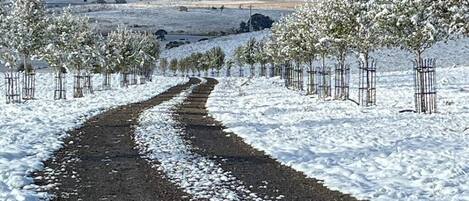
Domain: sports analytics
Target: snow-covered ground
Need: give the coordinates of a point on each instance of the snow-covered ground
(227, 43)
(31, 132)
(161, 139)
(372, 153)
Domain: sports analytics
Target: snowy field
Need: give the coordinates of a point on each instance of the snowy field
(227, 43)
(372, 153)
(197, 21)
(31, 132)
(161, 139)
(448, 54)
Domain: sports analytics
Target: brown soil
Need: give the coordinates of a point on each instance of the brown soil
(267, 178)
(99, 160)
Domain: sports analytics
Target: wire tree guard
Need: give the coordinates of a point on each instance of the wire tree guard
(78, 85)
(134, 77)
(312, 85)
(324, 81)
(106, 80)
(88, 83)
(29, 82)
(228, 72)
(425, 86)
(367, 84)
(272, 70)
(143, 77)
(288, 75)
(342, 82)
(252, 70)
(60, 91)
(125, 79)
(241, 72)
(298, 77)
(12, 90)
(263, 72)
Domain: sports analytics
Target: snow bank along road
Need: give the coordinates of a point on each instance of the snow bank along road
(264, 177)
(31, 132)
(373, 153)
(99, 161)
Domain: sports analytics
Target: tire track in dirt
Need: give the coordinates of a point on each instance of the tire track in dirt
(265, 176)
(99, 161)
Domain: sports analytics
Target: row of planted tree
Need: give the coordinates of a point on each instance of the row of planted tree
(195, 64)
(333, 30)
(68, 44)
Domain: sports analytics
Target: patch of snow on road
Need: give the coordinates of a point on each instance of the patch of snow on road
(160, 138)
(31, 132)
(372, 153)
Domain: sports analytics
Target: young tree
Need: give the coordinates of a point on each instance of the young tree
(249, 54)
(149, 52)
(121, 50)
(239, 58)
(262, 56)
(217, 58)
(414, 26)
(229, 64)
(24, 38)
(163, 65)
(173, 66)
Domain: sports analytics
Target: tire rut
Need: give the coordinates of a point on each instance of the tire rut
(265, 176)
(99, 161)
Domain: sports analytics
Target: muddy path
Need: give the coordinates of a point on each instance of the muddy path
(265, 176)
(99, 160)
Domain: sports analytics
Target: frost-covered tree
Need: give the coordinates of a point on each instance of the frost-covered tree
(250, 55)
(122, 52)
(183, 66)
(163, 65)
(229, 64)
(24, 37)
(336, 26)
(149, 52)
(217, 58)
(414, 25)
(173, 66)
(239, 59)
(262, 57)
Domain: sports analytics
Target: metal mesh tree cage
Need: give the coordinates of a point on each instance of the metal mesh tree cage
(78, 85)
(272, 70)
(312, 85)
(212, 72)
(324, 81)
(88, 83)
(124, 79)
(252, 70)
(106, 80)
(342, 82)
(263, 71)
(367, 84)
(142, 77)
(425, 86)
(288, 75)
(60, 91)
(134, 77)
(297, 77)
(12, 90)
(228, 72)
(29, 85)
